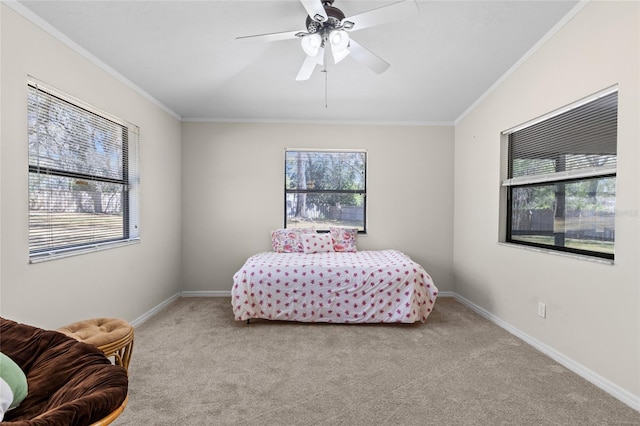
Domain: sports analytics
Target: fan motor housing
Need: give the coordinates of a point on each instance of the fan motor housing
(335, 17)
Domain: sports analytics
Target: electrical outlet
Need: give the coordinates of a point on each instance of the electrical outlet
(542, 310)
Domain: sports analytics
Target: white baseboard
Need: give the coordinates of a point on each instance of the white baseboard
(154, 311)
(612, 389)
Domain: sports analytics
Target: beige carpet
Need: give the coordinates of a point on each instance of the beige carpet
(193, 364)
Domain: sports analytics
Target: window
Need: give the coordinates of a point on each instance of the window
(561, 179)
(83, 176)
(325, 188)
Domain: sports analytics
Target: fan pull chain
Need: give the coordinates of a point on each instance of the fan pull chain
(326, 90)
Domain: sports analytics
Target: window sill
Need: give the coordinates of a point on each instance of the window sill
(559, 253)
(45, 257)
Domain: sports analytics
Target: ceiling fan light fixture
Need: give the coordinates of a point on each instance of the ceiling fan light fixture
(339, 40)
(327, 27)
(311, 44)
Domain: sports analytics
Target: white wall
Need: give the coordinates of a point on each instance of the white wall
(124, 282)
(593, 309)
(233, 193)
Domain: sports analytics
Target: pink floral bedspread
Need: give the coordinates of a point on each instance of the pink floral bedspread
(364, 286)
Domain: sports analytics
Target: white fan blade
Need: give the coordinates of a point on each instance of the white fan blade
(368, 58)
(339, 55)
(287, 35)
(307, 68)
(390, 13)
(315, 10)
(309, 65)
(320, 56)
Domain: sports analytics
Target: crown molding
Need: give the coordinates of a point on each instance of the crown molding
(49, 29)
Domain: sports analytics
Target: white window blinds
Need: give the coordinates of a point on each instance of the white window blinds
(83, 175)
(577, 142)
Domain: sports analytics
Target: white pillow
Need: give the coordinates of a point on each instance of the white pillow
(6, 397)
(317, 243)
(13, 385)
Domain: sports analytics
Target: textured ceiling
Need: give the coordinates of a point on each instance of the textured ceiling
(185, 55)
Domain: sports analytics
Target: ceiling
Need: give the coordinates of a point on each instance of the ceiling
(186, 56)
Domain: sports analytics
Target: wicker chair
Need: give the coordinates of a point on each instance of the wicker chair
(71, 383)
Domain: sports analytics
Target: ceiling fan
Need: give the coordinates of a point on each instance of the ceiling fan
(327, 28)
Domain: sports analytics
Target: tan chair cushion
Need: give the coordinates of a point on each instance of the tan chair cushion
(97, 331)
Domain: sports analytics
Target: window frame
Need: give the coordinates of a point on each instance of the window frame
(362, 191)
(561, 177)
(129, 179)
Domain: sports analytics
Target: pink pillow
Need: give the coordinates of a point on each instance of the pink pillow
(317, 243)
(344, 239)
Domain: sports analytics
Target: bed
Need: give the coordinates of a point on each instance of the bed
(333, 287)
